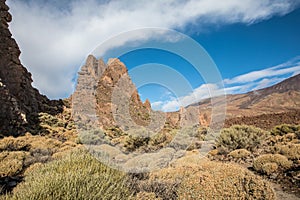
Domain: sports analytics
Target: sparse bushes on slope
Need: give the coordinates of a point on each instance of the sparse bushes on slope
(284, 129)
(17, 154)
(290, 150)
(77, 176)
(241, 137)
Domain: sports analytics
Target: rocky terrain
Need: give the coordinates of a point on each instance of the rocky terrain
(42, 153)
(20, 102)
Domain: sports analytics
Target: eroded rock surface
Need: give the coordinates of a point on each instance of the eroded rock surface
(20, 102)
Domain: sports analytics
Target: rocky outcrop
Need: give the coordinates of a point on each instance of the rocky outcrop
(83, 100)
(147, 104)
(20, 102)
(106, 92)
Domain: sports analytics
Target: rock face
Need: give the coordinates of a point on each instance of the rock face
(106, 97)
(106, 92)
(20, 102)
(83, 99)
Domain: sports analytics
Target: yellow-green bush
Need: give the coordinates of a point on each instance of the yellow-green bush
(240, 153)
(204, 179)
(291, 151)
(77, 176)
(162, 139)
(284, 129)
(241, 137)
(262, 163)
(91, 137)
(137, 138)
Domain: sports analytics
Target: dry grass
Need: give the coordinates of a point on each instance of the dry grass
(77, 176)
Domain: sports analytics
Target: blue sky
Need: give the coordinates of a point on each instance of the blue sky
(254, 43)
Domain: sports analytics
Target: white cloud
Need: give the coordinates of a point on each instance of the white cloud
(256, 75)
(54, 40)
(244, 83)
(157, 105)
(202, 92)
(266, 82)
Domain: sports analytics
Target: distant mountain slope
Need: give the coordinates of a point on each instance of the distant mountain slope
(283, 97)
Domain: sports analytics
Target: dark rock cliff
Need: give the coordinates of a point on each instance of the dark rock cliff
(20, 102)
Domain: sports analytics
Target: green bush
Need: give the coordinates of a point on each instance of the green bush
(241, 137)
(291, 151)
(91, 137)
(77, 176)
(137, 138)
(264, 162)
(284, 129)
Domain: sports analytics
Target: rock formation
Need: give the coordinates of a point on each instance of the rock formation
(20, 102)
(106, 92)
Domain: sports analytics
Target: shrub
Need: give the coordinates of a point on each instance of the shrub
(291, 151)
(240, 153)
(269, 168)
(14, 144)
(241, 137)
(263, 163)
(284, 129)
(161, 139)
(137, 138)
(12, 163)
(91, 137)
(146, 196)
(204, 179)
(77, 176)
(156, 189)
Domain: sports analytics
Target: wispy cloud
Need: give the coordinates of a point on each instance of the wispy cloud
(55, 37)
(239, 84)
(256, 75)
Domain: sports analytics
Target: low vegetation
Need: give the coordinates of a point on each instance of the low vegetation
(205, 179)
(54, 170)
(76, 176)
(285, 129)
(240, 153)
(241, 137)
(269, 163)
(16, 154)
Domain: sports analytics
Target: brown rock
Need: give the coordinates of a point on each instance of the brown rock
(20, 102)
(147, 104)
